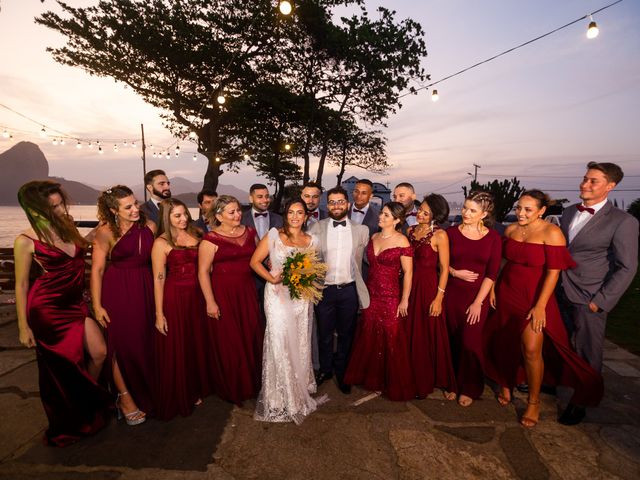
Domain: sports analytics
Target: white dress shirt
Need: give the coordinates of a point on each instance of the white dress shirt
(339, 252)
(261, 222)
(311, 219)
(580, 219)
(357, 217)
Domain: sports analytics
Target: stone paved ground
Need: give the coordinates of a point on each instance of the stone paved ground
(379, 439)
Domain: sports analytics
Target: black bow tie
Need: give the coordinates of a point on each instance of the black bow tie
(313, 214)
(263, 214)
(355, 210)
(582, 208)
(343, 223)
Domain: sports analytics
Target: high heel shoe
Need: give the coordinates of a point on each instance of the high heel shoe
(132, 418)
(503, 399)
(528, 422)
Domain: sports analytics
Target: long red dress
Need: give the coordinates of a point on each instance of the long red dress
(236, 337)
(428, 335)
(483, 257)
(75, 404)
(516, 293)
(127, 296)
(181, 356)
(380, 356)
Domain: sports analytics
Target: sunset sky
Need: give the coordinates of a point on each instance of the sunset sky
(539, 113)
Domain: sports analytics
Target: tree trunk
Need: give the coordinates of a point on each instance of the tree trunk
(214, 170)
(277, 204)
(343, 164)
(305, 157)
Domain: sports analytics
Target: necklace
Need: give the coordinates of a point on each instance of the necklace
(384, 237)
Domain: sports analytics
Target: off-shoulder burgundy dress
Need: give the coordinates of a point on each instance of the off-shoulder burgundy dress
(516, 293)
(380, 358)
(182, 355)
(482, 256)
(127, 296)
(428, 335)
(236, 337)
(75, 404)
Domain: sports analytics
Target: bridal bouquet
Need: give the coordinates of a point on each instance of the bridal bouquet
(303, 272)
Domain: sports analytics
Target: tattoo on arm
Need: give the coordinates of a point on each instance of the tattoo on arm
(161, 276)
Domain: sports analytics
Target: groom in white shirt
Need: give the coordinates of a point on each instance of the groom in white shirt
(342, 246)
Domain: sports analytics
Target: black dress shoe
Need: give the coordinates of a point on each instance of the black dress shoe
(572, 415)
(523, 388)
(344, 388)
(321, 377)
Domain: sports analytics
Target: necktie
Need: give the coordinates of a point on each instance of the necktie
(355, 210)
(263, 214)
(343, 223)
(314, 214)
(582, 208)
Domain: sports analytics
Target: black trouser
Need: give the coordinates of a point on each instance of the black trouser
(336, 312)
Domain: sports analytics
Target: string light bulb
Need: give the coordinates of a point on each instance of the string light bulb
(194, 157)
(287, 147)
(115, 147)
(193, 135)
(221, 99)
(62, 141)
(100, 150)
(55, 141)
(285, 7)
(5, 133)
(246, 156)
(168, 155)
(43, 133)
(178, 151)
(133, 144)
(125, 144)
(434, 96)
(90, 145)
(217, 159)
(592, 30)
(154, 155)
(78, 145)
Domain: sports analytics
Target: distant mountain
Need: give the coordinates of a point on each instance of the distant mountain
(25, 161)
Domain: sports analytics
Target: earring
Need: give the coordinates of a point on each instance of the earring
(117, 221)
(433, 222)
(481, 224)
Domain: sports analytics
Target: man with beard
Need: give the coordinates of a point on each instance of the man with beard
(259, 216)
(406, 195)
(205, 200)
(341, 244)
(157, 184)
(311, 193)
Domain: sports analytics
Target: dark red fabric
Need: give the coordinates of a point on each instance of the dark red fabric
(482, 256)
(236, 338)
(380, 357)
(127, 295)
(516, 293)
(428, 335)
(181, 357)
(75, 404)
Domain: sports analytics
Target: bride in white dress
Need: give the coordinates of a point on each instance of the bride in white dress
(287, 373)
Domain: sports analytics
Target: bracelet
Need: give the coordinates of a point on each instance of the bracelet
(441, 289)
(453, 273)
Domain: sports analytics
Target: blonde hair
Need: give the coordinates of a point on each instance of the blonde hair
(218, 207)
(486, 202)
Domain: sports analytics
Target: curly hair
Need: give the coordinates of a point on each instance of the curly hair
(108, 202)
(487, 204)
(34, 199)
(439, 207)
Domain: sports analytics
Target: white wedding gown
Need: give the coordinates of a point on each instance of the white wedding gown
(287, 373)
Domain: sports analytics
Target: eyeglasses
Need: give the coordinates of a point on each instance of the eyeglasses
(336, 202)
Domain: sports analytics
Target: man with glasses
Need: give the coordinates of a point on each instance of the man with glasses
(341, 244)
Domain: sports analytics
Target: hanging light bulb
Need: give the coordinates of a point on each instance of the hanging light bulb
(5, 133)
(285, 7)
(168, 155)
(55, 141)
(115, 147)
(246, 156)
(435, 96)
(217, 159)
(592, 30)
(193, 134)
(62, 141)
(133, 144)
(287, 147)
(100, 150)
(154, 155)
(90, 145)
(78, 145)
(194, 157)
(43, 133)
(98, 142)
(221, 99)
(177, 151)
(125, 144)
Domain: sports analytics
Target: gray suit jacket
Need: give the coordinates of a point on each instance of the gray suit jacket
(360, 239)
(370, 219)
(606, 251)
(275, 220)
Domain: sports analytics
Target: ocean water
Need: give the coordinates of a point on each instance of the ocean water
(13, 221)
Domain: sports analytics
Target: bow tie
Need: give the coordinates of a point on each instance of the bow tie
(355, 210)
(263, 214)
(313, 214)
(343, 223)
(582, 208)
(412, 214)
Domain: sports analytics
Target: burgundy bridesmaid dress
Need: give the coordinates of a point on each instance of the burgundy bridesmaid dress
(482, 256)
(127, 296)
(236, 337)
(75, 404)
(380, 357)
(428, 335)
(182, 374)
(516, 293)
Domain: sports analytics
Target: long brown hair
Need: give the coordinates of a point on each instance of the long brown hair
(110, 200)
(398, 212)
(164, 225)
(34, 199)
(285, 220)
